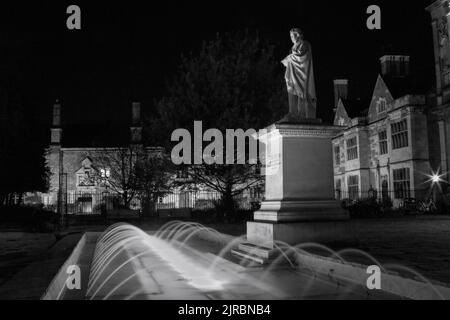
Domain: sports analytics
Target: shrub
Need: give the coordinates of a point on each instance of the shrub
(365, 209)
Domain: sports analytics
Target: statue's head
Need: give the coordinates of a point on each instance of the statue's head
(296, 35)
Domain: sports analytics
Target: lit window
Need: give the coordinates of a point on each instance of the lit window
(399, 134)
(352, 149)
(105, 173)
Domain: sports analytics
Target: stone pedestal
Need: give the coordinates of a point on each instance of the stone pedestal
(299, 202)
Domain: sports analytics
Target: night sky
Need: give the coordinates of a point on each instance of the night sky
(128, 50)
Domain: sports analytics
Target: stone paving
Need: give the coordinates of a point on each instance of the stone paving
(30, 281)
(421, 243)
(18, 249)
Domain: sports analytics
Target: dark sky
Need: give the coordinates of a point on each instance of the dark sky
(126, 50)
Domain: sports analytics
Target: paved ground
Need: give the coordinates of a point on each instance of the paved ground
(422, 243)
(30, 279)
(18, 249)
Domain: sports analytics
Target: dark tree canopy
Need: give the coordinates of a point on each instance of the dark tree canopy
(22, 153)
(233, 82)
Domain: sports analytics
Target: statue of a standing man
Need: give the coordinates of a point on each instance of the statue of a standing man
(300, 78)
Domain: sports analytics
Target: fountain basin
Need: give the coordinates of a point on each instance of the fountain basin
(187, 262)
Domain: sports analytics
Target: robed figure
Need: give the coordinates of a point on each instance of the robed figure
(300, 78)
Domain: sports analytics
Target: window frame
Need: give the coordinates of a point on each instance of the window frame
(337, 155)
(353, 187)
(381, 102)
(400, 134)
(401, 178)
(383, 142)
(352, 150)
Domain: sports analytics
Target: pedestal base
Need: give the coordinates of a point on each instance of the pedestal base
(301, 211)
(299, 206)
(265, 235)
(264, 239)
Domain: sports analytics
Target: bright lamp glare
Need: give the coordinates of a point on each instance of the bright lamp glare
(436, 178)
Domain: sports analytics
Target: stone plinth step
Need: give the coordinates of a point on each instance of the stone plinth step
(252, 258)
(260, 255)
(261, 252)
(255, 254)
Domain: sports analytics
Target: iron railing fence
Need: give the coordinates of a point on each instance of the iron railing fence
(203, 200)
(82, 203)
(396, 196)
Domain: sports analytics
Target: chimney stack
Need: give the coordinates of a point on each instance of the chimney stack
(340, 90)
(136, 124)
(56, 115)
(56, 130)
(395, 66)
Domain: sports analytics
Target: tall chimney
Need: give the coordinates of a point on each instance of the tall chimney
(395, 66)
(340, 90)
(136, 114)
(56, 130)
(136, 124)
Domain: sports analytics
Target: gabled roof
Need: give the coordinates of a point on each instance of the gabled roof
(348, 109)
(356, 107)
(341, 117)
(87, 163)
(381, 90)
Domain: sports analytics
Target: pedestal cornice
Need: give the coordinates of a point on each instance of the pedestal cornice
(305, 130)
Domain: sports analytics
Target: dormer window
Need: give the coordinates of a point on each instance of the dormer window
(381, 106)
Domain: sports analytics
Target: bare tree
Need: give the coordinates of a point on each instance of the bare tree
(156, 175)
(133, 172)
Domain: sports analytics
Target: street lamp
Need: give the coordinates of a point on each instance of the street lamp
(435, 178)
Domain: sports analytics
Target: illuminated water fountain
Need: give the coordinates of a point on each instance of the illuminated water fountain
(186, 261)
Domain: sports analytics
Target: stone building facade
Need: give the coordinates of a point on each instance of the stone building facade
(385, 149)
(439, 117)
(402, 138)
(75, 176)
(79, 179)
